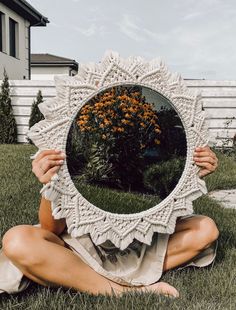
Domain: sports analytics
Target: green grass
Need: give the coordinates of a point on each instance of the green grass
(116, 201)
(213, 287)
(225, 177)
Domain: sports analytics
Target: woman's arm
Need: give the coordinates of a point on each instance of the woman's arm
(46, 219)
(44, 166)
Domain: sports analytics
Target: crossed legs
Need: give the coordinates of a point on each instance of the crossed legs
(43, 257)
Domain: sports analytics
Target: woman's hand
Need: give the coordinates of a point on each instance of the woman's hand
(46, 164)
(205, 158)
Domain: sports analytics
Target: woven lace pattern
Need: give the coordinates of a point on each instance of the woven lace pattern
(72, 93)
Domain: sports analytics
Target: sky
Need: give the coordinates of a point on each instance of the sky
(196, 38)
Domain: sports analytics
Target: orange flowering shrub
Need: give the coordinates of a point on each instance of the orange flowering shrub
(120, 112)
(124, 125)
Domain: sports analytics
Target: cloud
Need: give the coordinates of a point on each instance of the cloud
(132, 28)
(88, 32)
(193, 15)
(92, 30)
(197, 38)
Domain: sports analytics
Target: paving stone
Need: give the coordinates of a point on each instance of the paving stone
(227, 198)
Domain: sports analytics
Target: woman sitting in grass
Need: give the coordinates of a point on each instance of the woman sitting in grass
(44, 257)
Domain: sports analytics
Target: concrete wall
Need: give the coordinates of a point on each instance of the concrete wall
(219, 101)
(48, 73)
(18, 67)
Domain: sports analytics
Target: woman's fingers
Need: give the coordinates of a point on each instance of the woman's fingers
(46, 164)
(54, 157)
(206, 165)
(206, 159)
(45, 178)
(51, 160)
(204, 153)
(45, 153)
(203, 148)
(200, 156)
(203, 173)
(206, 168)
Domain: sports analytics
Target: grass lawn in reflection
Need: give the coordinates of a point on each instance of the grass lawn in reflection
(116, 201)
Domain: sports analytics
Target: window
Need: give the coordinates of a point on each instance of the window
(2, 33)
(13, 38)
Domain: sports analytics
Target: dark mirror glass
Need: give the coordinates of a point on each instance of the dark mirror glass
(126, 149)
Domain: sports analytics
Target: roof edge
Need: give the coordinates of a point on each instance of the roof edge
(55, 64)
(27, 11)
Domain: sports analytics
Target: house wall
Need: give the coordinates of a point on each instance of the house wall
(17, 68)
(48, 73)
(219, 101)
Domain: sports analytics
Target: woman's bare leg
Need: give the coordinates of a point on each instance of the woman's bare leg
(191, 236)
(42, 257)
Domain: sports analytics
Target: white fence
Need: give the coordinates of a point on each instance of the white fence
(219, 101)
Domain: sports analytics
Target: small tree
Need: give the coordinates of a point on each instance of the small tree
(8, 127)
(35, 115)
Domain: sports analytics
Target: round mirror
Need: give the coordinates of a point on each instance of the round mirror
(126, 149)
(129, 171)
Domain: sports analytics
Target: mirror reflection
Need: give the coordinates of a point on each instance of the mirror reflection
(126, 149)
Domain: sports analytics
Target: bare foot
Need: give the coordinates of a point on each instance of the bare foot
(161, 288)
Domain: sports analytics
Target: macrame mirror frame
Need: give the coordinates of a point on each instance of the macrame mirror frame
(72, 93)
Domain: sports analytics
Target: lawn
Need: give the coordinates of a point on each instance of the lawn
(213, 287)
(116, 201)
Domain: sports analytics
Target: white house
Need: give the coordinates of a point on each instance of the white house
(46, 66)
(16, 19)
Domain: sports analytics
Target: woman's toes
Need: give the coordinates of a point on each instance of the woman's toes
(164, 288)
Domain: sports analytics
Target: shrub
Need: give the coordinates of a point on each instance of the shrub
(97, 168)
(35, 115)
(8, 127)
(162, 178)
(228, 146)
(117, 126)
(74, 147)
(172, 138)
